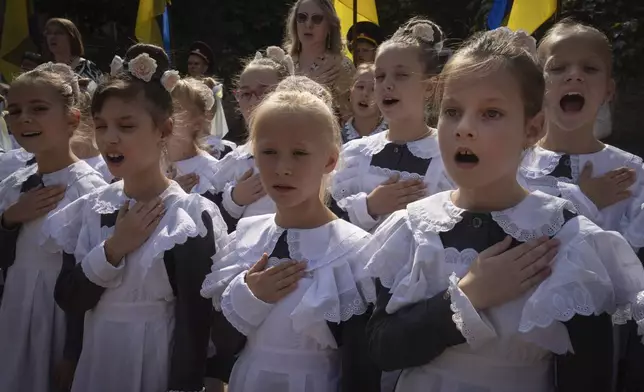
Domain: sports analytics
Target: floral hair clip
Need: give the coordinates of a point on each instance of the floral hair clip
(169, 79)
(278, 55)
(144, 67)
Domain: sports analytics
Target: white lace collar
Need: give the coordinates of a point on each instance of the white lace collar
(112, 197)
(424, 148)
(66, 176)
(350, 132)
(537, 215)
(319, 246)
(200, 162)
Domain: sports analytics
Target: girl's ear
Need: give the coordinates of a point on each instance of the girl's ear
(332, 162)
(166, 127)
(535, 129)
(74, 119)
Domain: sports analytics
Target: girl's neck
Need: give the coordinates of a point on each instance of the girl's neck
(307, 215)
(146, 185)
(365, 125)
(182, 151)
(497, 196)
(408, 131)
(578, 141)
(55, 160)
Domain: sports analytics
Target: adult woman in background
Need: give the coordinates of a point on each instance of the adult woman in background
(65, 44)
(314, 40)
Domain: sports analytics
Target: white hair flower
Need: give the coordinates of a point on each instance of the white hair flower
(424, 32)
(276, 53)
(258, 56)
(116, 66)
(143, 67)
(170, 79)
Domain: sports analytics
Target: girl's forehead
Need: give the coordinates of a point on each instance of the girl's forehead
(258, 76)
(584, 45)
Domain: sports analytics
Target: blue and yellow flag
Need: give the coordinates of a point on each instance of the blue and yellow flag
(528, 15)
(15, 37)
(366, 12)
(147, 25)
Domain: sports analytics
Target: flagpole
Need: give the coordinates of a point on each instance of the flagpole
(355, 32)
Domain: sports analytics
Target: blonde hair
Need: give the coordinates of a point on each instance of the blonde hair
(202, 97)
(274, 58)
(84, 139)
(306, 84)
(569, 28)
(64, 81)
(303, 103)
(292, 43)
(362, 68)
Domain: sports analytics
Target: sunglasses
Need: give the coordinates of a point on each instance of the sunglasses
(301, 18)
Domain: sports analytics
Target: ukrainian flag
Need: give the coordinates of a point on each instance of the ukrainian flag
(366, 12)
(147, 26)
(15, 37)
(528, 15)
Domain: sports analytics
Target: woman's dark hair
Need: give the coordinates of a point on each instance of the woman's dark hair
(126, 86)
(75, 39)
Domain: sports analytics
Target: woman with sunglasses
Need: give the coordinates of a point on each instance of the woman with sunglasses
(314, 40)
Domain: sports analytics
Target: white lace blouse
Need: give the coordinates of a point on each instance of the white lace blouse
(426, 248)
(543, 168)
(368, 162)
(290, 346)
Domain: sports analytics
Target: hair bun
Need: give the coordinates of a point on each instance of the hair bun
(156, 53)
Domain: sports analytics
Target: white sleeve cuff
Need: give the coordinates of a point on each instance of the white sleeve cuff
(99, 271)
(475, 329)
(356, 207)
(234, 210)
(240, 306)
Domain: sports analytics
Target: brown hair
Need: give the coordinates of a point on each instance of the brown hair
(412, 34)
(75, 39)
(489, 51)
(569, 28)
(300, 102)
(126, 86)
(292, 43)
